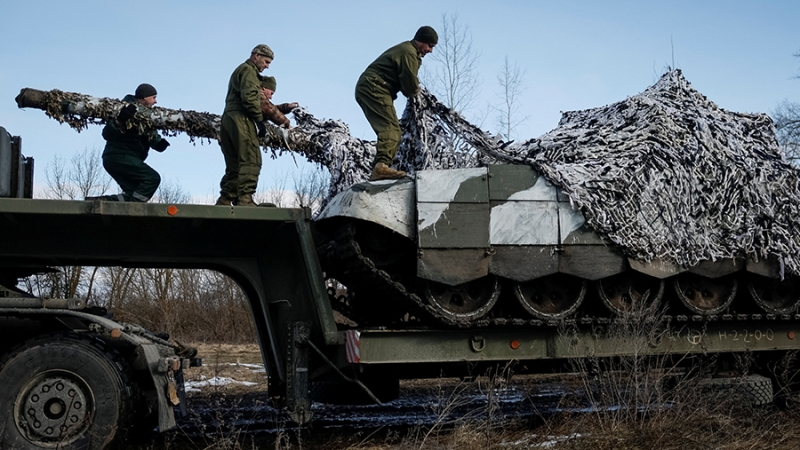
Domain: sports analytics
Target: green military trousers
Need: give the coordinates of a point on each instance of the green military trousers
(239, 143)
(376, 102)
(137, 180)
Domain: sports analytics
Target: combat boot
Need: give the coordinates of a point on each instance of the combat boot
(107, 198)
(383, 172)
(224, 200)
(247, 200)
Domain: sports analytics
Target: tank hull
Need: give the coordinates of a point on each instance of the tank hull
(461, 230)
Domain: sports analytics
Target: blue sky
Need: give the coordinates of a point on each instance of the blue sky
(576, 54)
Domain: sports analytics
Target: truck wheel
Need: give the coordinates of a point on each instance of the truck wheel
(754, 390)
(65, 392)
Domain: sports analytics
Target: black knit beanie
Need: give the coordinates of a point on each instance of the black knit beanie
(427, 35)
(145, 90)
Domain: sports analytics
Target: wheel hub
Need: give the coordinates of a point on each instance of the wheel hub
(468, 301)
(54, 408)
(552, 297)
(705, 296)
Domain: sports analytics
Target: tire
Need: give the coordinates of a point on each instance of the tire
(755, 390)
(64, 391)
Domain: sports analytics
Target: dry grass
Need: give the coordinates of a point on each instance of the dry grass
(609, 404)
(234, 361)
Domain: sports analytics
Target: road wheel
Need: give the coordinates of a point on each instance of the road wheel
(468, 301)
(64, 391)
(705, 296)
(552, 297)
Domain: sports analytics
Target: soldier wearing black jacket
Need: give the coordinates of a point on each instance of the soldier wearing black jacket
(127, 146)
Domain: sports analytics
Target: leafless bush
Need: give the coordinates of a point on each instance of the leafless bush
(460, 421)
(83, 176)
(638, 399)
(192, 305)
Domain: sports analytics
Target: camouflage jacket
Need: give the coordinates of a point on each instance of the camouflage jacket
(275, 113)
(397, 68)
(243, 89)
(132, 141)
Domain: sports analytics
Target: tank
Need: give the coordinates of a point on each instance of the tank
(502, 245)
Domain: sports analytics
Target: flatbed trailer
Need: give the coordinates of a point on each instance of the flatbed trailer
(271, 255)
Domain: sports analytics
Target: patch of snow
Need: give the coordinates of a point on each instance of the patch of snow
(195, 386)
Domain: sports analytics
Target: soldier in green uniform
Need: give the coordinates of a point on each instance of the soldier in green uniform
(394, 71)
(127, 146)
(274, 113)
(242, 125)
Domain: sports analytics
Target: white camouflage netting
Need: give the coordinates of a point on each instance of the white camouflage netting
(664, 174)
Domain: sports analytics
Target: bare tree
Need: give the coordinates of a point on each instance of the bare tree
(276, 195)
(310, 188)
(170, 192)
(510, 79)
(455, 80)
(116, 285)
(787, 123)
(83, 177)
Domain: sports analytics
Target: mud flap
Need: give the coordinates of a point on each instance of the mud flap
(181, 391)
(166, 417)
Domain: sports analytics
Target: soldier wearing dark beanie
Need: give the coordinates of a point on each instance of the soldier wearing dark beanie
(393, 71)
(426, 35)
(145, 90)
(128, 146)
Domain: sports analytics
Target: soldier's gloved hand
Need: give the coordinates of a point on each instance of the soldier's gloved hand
(161, 145)
(286, 108)
(126, 113)
(261, 129)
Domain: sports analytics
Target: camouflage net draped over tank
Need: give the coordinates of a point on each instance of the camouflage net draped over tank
(665, 174)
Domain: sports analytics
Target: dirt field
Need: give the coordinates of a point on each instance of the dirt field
(227, 369)
(229, 410)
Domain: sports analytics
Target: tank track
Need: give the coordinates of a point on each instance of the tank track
(343, 260)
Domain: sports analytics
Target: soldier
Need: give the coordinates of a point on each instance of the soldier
(127, 146)
(242, 125)
(394, 71)
(275, 113)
